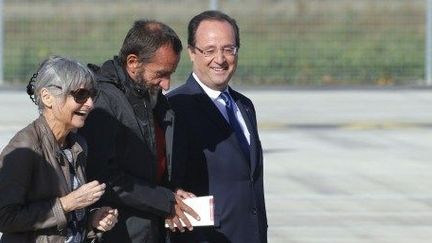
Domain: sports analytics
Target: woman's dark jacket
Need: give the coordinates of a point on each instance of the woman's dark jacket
(33, 176)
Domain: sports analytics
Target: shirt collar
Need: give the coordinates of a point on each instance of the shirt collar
(213, 94)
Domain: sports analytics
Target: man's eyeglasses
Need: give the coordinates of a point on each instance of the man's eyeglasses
(211, 52)
(80, 95)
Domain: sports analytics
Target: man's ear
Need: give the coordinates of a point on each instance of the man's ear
(132, 64)
(47, 98)
(191, 54)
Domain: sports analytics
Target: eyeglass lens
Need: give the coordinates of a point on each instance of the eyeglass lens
(81, 95)
(227, 51)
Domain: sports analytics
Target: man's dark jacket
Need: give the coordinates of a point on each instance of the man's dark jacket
(208, 160)
(122, 154)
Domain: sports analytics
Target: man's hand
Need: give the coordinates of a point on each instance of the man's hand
(184, 194)
(179, 216)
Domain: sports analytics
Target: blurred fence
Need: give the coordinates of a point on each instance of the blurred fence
(297, 42)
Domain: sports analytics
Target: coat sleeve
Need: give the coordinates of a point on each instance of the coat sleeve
(17, 164)
(105, 137)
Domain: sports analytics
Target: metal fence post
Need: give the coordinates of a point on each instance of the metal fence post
(214, 4)
(1, 42)
(428, 52)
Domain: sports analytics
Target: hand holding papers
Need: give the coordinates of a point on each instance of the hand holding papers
(204, 207)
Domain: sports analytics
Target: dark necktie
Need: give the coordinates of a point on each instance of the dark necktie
(235, 125)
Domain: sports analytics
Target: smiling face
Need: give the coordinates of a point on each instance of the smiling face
(65, 114)
(73, 114)
(214, 71)
(156, 74)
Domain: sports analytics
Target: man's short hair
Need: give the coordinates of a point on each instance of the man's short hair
(146, 37)
(211, 15)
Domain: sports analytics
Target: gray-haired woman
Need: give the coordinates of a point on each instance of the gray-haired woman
(43, 192)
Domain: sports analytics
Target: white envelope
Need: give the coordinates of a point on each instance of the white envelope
(204, 207)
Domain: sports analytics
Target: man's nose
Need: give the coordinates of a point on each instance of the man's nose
(165, 84)
(219, 56)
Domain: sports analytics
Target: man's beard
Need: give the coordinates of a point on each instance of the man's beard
(153, 91)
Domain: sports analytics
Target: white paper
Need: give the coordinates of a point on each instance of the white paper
(204, 207)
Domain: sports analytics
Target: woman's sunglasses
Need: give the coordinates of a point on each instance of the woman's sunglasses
(81, 95)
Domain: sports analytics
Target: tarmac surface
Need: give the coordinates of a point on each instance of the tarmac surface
(341, 165)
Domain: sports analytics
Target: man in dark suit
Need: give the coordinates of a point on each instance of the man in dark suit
(127, 132)
(217, 150)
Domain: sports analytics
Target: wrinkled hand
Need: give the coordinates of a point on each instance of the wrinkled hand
(104, 218)
(180, 209)
(82, 197)
(184, 194)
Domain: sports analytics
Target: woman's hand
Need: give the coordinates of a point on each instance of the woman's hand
(104, 218)
(82, 197)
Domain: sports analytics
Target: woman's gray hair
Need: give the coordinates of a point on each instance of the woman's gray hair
(61, 75)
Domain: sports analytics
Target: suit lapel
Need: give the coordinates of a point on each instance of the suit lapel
(207, 106)
(247, 116)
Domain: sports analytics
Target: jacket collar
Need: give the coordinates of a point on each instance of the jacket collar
(53, 153)
(49, 139)
(213, 113)
(206, 104)
(112, 72)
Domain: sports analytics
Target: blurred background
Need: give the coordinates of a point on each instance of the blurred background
(294, 42)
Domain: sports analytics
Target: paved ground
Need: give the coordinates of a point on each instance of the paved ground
(342, 166)
(347, 166)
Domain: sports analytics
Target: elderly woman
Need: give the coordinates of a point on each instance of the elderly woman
(43, 192)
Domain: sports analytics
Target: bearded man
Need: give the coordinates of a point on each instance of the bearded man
(129, 135)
